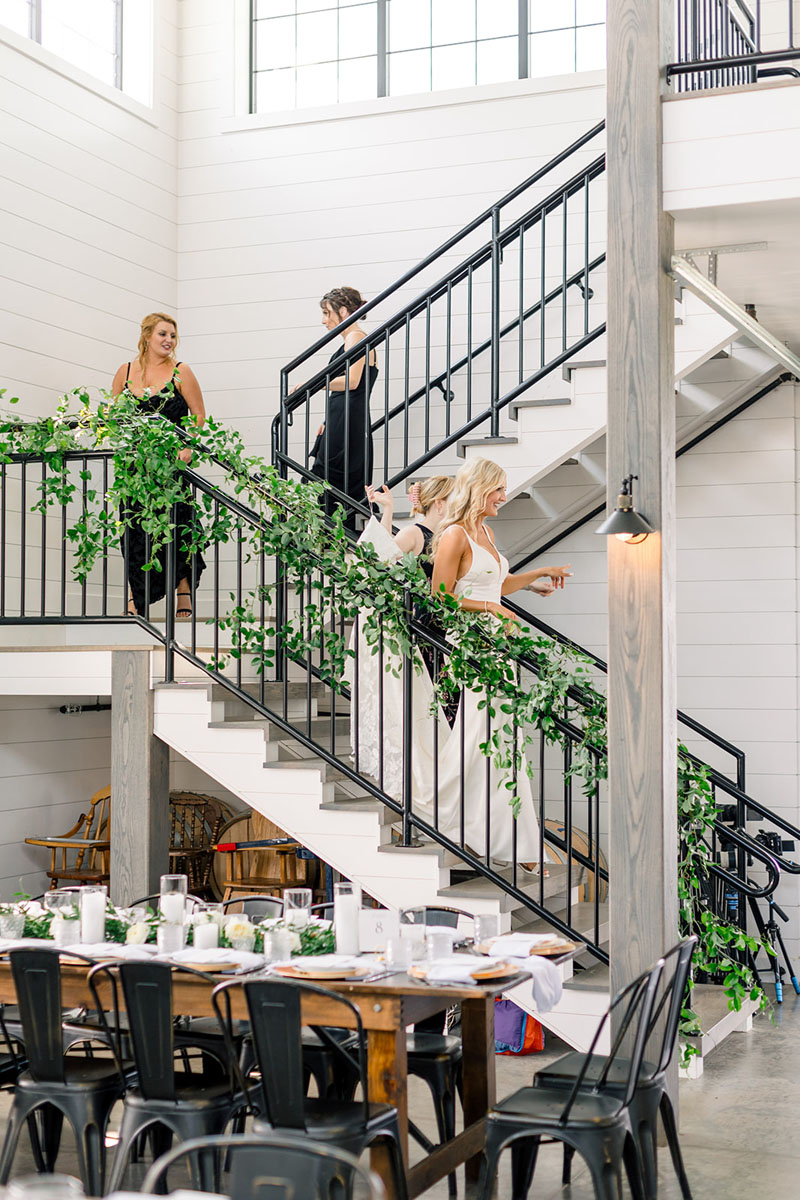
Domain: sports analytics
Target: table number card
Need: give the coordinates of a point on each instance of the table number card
(376, 926)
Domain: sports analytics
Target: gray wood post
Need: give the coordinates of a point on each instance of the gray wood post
(642, 727)
(139, 782)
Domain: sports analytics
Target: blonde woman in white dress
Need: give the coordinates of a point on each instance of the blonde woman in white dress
(468, 566)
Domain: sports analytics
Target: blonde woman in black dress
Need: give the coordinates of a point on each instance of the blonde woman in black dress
(164, 386)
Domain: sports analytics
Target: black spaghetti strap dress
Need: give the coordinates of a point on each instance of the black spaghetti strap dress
(343, 452)
(152, 585)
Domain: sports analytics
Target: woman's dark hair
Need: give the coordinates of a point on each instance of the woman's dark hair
(342, 297)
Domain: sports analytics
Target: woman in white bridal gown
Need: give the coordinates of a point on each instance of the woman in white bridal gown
(376, 703)
(469, 567)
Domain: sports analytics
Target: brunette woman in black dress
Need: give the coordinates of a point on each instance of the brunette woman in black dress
(343, 449)
(164, 386)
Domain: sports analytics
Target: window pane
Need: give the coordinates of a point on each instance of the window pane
(275, 43)
(498, 60)
(590, 48)
(409, 24)
(316, 37)
(307, 6)
(550, 14)
(591, 12)
(453, 66)
(274, 91)
(137, 51)
(84, 35)
(409, 72)
(358, 79)
(498, 18)
(274, 8)
(358, 31)
(16, 15)
(317, 85)
(452, 21)
(552, 53)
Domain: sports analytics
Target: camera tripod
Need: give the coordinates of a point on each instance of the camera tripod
(770, 933)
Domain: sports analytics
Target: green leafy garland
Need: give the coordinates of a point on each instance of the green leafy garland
(535, 683)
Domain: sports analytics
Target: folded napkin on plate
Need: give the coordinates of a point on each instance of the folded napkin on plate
(114, 950)
(459, 968)
(520, 945)
(219, 957)
(326, 962)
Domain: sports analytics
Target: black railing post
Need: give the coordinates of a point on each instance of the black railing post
(408, 683)
(494, 420)
(170, 590)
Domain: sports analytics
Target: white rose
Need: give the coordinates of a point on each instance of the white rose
(294, 940)
(238, 927)
(137, 934)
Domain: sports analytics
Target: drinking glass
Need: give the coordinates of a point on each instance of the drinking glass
(277, 945)
(12, 924)
(346, 907)
(93, 904)
(44, 1187)
(297, 907)
(414, 935)
(66, 923)
(172, 898)
(439, 943)
(487, 927)
(399, 953)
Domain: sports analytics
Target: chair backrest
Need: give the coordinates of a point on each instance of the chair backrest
(323, 910)
(195, 822)
(147, 992)
(256, 906)
(156, 896)
(274, 1165)
(434, 915)
(663, 1030)
(95, 825)
(274, 1006)
(37, 982)
(634, 1006)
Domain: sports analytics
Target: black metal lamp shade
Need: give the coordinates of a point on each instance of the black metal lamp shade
(625, 522)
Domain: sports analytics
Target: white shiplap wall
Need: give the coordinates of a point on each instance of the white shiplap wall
(88, 225)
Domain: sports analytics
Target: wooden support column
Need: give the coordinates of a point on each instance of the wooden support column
(642, 702)
(139, 782)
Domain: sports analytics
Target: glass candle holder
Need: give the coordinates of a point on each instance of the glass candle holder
(172, 898)
(93, 904)
(206, 922)
(277, 945)
(487, 927)
(44, 1187)
(346, 907)
(65, 927)
(12, 924)
(170, 938)
(297, 907)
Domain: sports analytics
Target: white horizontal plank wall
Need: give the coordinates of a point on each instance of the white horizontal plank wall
(89, 220)
(275, 212)
(737, 600)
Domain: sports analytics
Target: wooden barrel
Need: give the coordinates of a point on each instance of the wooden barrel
(580, 842)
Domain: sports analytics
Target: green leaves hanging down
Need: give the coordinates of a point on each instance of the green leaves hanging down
(529, 681)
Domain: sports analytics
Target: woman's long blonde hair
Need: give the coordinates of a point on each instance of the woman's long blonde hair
(474, 482)
(438, 487)
(148, 325)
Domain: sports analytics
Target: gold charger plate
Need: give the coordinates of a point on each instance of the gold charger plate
(543, 951)
(320, 973)
(485, 975)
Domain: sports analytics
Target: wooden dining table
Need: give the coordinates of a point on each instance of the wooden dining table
(387, 1006)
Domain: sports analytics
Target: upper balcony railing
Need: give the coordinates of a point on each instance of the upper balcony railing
(728, 43)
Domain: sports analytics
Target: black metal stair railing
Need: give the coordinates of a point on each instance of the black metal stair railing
(37, 571)
(727, 43)
(516, 306)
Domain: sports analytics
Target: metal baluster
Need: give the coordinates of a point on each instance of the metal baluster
(564, 274)
(594, 842)
(216, 588)
(461, 707)
(105, 534)
(586, 257)
(355, 707)
(262, 613)
(469, 342)
(427, 374)
(488, 785)
(494, 422)
(23, 536)
(448, 355)
(435, 719)
(408, 749)
(380, 701)
(84, 501)
(170, 588)
(568, 822)
(309, 661)
(386, 406)
(406, 369)
(542, 297)
(44, 542)
(521, 307)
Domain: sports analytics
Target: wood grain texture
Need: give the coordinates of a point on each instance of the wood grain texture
(641, 439)
(139, 782)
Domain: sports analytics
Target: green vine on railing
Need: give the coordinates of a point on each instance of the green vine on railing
(534, 682)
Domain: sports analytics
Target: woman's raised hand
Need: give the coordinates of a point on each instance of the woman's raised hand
(381, 496)
(557, 574)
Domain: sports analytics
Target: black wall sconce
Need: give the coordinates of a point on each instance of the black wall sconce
(625, 523)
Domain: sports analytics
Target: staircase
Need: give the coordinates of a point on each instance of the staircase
(501, 354)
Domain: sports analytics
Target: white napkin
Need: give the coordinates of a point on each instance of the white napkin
(520, 945)
(459, 968)
(326, 962)
(218, 957)
(135, 953)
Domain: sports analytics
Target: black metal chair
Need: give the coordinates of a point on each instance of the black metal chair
(594, 1123)
(274, 1008)
(651, 1096)
(171, 1103)
(434, 1056)
(291, 1165)
(260, 907)
(325, 909)
(55, 1086)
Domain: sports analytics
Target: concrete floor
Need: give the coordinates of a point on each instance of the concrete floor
(738, 1122)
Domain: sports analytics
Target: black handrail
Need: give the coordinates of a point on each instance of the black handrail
(719, 42)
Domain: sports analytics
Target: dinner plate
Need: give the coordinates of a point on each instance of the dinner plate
(541, 951)
(332, 973)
